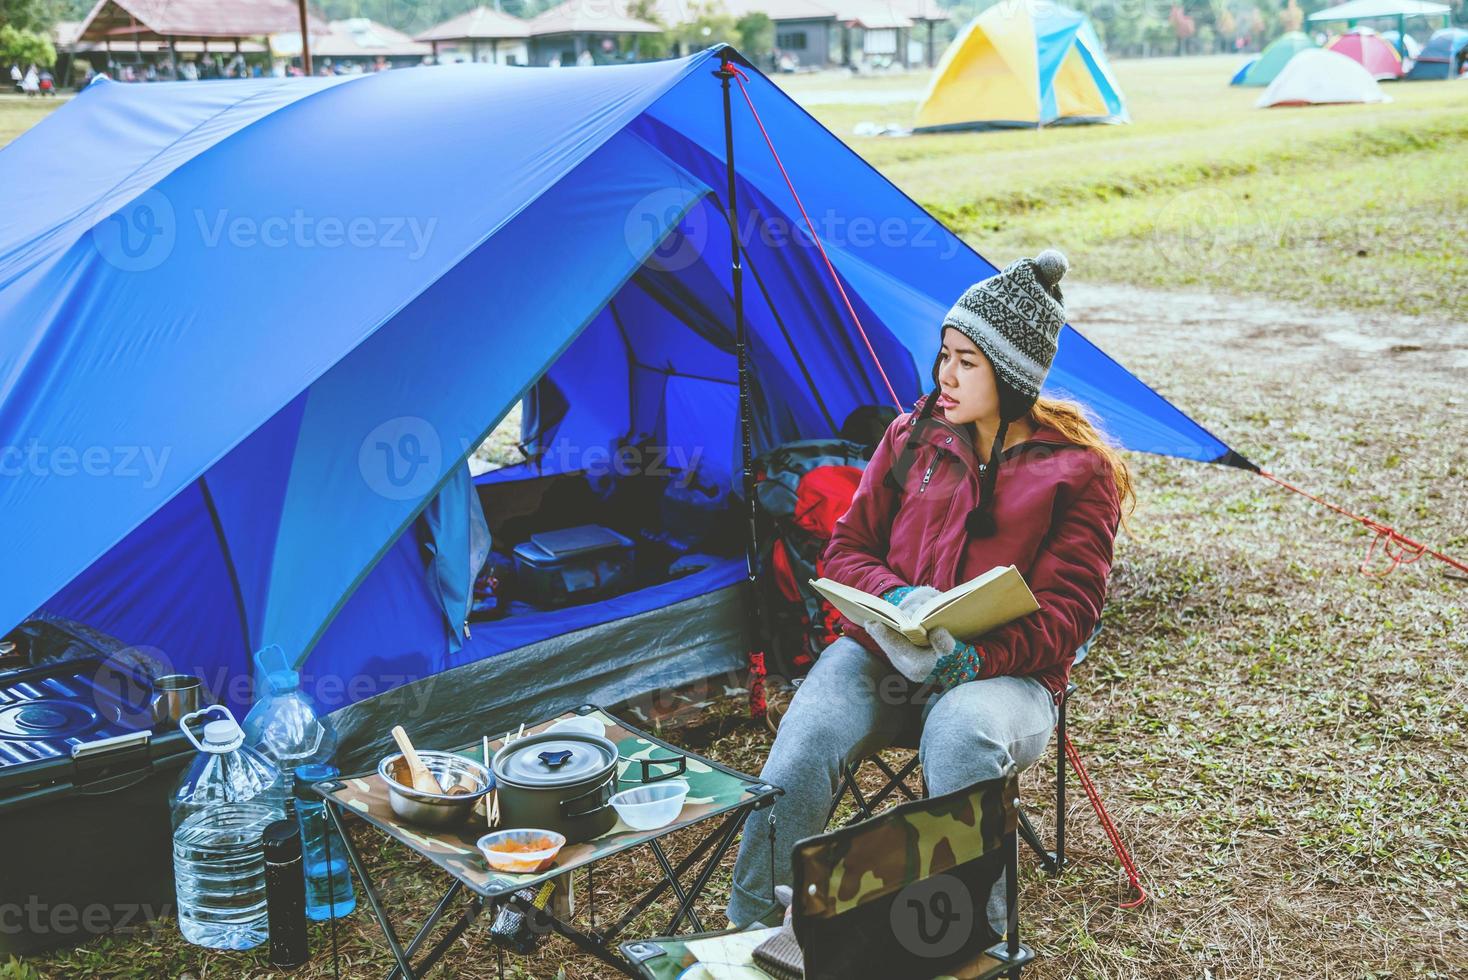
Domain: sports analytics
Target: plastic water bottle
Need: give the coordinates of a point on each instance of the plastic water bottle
(283, 725)
(223, 803)
(328, 877)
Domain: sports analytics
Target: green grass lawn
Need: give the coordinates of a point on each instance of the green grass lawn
(18, 114)
(1357, 205)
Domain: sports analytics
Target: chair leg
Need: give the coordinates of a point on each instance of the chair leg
(1027, 831)
(1060, 736)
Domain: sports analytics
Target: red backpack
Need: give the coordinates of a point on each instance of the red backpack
(803, 489)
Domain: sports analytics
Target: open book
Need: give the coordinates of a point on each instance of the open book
(979, 605)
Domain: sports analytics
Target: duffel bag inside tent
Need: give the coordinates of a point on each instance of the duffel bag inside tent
(1027, 63)
(253, 330)
(1273, 58)
(1442, 56)
(1320, 77)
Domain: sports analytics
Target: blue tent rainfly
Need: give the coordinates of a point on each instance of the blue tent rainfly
(249, 330)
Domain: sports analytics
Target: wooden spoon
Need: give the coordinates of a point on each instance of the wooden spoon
(423, 780)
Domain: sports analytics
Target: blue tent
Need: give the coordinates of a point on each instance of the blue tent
(1441, 56)
(250, 330)
(1238, 78)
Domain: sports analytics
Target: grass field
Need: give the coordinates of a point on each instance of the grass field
(1280, 739)
(1202, 189)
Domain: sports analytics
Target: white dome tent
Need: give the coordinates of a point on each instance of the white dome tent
(1316, 76)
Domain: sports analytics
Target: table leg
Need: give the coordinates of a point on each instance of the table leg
(425, 928)
(735, 822)
(656, 891)
(598, 946)
(403, 963)
(684, 902)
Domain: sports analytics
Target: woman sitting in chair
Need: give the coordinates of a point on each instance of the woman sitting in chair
(982, 473)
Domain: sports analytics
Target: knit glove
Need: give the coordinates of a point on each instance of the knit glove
(949, 662)
(912, 661)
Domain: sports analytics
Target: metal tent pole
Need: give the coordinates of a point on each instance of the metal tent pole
(753, 625)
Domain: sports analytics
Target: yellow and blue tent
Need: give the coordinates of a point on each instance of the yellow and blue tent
(1022, 63)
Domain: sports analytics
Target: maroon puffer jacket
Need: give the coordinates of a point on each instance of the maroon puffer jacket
(1057, 512)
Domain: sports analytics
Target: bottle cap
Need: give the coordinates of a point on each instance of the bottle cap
(222, 732)
(314, 772)
(281, 841)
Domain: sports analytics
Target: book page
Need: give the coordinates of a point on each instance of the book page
(859, 606)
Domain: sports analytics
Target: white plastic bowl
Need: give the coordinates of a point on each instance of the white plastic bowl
(651, 806)
(521, 862)
(580, 723)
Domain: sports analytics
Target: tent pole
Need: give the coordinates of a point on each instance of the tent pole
(753, 621)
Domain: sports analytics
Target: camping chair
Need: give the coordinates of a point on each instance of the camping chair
(902, 895)
(1053, 861)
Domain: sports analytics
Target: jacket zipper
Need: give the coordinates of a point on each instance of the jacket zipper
(929, 474)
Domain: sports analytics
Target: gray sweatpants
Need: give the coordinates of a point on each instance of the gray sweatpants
(850, 706)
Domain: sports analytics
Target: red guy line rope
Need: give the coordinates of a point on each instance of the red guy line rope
(739, 76)
(1398, 548)
(1122, 854)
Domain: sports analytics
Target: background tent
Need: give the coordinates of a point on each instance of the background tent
(1441, 56)
(195, 471)
(1243, 72)
(1370, 50)
(1274, 57)
(1394, 13)
(1319, 77)
(1022, 64)
(1408, 45)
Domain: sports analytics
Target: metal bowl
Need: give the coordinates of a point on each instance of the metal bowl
(465, 783)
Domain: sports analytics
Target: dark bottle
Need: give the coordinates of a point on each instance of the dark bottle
(285, 893)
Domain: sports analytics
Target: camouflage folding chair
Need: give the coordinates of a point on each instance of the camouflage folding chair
(905, 894)
(1053, 861)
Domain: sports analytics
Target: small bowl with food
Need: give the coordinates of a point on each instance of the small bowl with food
(521, 851)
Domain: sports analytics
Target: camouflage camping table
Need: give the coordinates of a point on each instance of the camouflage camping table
(714, 791)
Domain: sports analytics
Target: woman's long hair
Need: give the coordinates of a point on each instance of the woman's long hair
(1073, 421)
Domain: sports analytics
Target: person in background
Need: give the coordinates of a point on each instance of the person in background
(15, 77)
(31, 83)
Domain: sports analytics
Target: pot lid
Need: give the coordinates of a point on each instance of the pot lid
(554, 759)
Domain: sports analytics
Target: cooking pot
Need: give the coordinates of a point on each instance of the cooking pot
(558, 781)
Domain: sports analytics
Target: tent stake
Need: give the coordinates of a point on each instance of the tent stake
(753, 621)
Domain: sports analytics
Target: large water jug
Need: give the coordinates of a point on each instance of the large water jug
(284, 725)
(225, 800)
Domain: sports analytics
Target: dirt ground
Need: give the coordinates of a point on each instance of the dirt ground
(1280, 739)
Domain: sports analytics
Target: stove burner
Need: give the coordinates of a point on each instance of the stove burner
(46, 718)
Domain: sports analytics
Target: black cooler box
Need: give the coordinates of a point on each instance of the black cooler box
(85, 841)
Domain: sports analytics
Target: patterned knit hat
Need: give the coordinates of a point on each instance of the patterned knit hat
(1015, 319)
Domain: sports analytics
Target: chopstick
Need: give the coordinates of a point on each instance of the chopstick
(492, 801)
